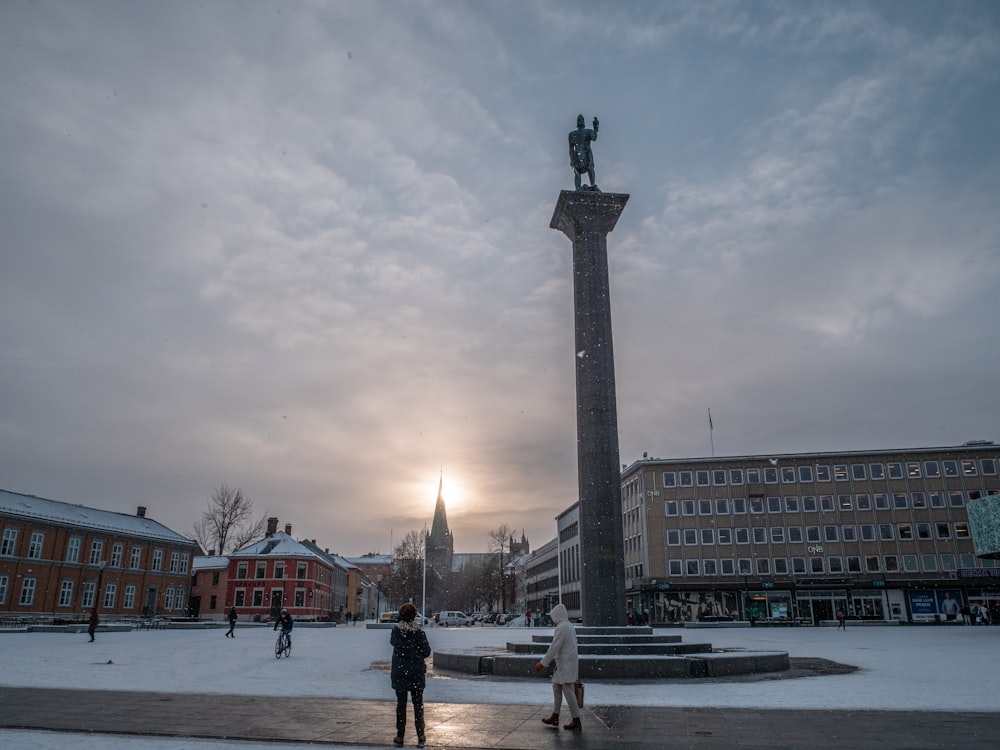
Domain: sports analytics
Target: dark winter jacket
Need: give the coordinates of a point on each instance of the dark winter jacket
(409, 649)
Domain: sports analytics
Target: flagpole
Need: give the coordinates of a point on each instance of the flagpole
(423, 593)
(711, 438)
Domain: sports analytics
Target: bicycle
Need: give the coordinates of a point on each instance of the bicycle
(283, 646)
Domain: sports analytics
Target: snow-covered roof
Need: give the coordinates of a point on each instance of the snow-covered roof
(209, 562)
(80, 516)
(278, 544)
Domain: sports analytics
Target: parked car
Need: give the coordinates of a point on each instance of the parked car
(389, 617)
(453, 617)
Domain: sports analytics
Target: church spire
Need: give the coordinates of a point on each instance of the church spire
(440, 536)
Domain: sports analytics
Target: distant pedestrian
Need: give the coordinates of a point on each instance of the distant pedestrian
(841, 619)
(348, 619)
(232, 623)
(92, 624)
(527, 618)
(968, 615)
(563, 651)
(409, 649)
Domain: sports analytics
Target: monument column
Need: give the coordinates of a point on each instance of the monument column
(586, 217)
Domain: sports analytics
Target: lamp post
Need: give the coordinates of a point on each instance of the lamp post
(100, 578)
(378, 598)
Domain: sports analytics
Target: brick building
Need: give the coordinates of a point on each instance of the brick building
(57, 560)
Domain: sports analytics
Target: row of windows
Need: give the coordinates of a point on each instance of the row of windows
(257, 597)
(825, 473)
(722, 506)
(866, 532)
(174, 596)
(260, 570)
(763, 566)
(179, 561)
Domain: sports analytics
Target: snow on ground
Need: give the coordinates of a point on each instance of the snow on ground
(942, 668)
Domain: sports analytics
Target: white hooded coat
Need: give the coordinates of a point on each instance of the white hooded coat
(563, 648)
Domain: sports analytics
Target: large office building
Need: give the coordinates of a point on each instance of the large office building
(883, 535)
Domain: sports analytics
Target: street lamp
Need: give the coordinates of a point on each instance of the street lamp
(97, 593)
(378, 599)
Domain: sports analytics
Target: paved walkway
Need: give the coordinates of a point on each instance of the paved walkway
(502, 726)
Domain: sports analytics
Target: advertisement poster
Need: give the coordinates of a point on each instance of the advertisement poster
(940, 604)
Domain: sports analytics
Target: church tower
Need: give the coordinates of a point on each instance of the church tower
(440, 542)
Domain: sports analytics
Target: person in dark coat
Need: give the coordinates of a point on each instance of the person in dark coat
(409, 649)
(232, 623)
(92, 625)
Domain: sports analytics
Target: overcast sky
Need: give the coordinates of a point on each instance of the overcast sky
(303, 248)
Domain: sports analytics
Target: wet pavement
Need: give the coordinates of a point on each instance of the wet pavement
(322, 721)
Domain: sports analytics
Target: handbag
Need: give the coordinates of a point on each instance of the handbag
(578, 689)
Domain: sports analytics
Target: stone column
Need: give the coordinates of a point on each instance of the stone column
(586, 218)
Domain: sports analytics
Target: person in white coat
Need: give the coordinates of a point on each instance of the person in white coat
(563, 651)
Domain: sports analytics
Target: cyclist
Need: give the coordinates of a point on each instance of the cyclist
(285, 621)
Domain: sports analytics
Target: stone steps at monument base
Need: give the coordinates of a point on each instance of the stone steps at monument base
(625, 649)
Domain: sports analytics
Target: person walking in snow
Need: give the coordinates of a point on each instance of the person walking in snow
(409, 649)
(92, 625)
(563, 651)
(841, 619)
(232, 623)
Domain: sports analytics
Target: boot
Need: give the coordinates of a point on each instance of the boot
(574, 724)
(398, 740)
(552, 721)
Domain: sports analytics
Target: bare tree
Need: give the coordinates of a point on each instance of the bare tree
(407, 575)
(500, 546)
(228, 524)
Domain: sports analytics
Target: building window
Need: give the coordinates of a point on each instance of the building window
(687, 507)
(780, 566)
(241, 570)
(863, 502)
(910, 563)
(849, 533)
(853, 564)
(261, 569)
(279, 570)
(135, 559)
(692, 567)
(955, 499)
(961, 530)
(777, 535)
(831, 533)
(669, 479)
(899, 500)
(858, 472)
(937, 499)
(872, 564)
(258, 597)
(905, 531)
(670, 508)
(816, 565)
(881, 501)
(943, 530)
(300, 597)
(919, 500)
(718, 477)
(687, 479)
(96, 551)
(798, 565)
(728, 567)
(690, 536)
(932, 469)
(753, 476)
(812, 534)
(35, 544)
(774, 505)
(110, 591)
(895, 470)
(835, 564)
(27, 591)
(739, 505)
(88, 595)
(968, 468)
(788, 474)
(701, 476)
(844, 501)
(929, 562)
(770, 476)
(759, 535)
(157, 558)
(913, 469)
(826, 503)
(215, 578)
(725, 536)
(756, 504)
(744, 564)
(708, 536)
(791, 504)
(840, 473)
(128, 602)
(809, 504)
(891, 564)
(9, 542)
(822, 473)
(805, 474)
(795, 534)
(743, 535)
(705, 507)
(886, 532)
(673, 537)
(876, 471)
(240, 597)
(66, 594)
(674, 568)
(948, 563)
(988, 467)
(3, 589)
(736, 476)
(950, 468)
(923, 531)
(117, 553)
(73, 549)
(867, 532)
(763, 566)
(722, 506)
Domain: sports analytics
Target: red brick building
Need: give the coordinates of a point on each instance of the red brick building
(57, 560)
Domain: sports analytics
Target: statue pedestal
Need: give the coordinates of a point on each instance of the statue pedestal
(586, 217)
